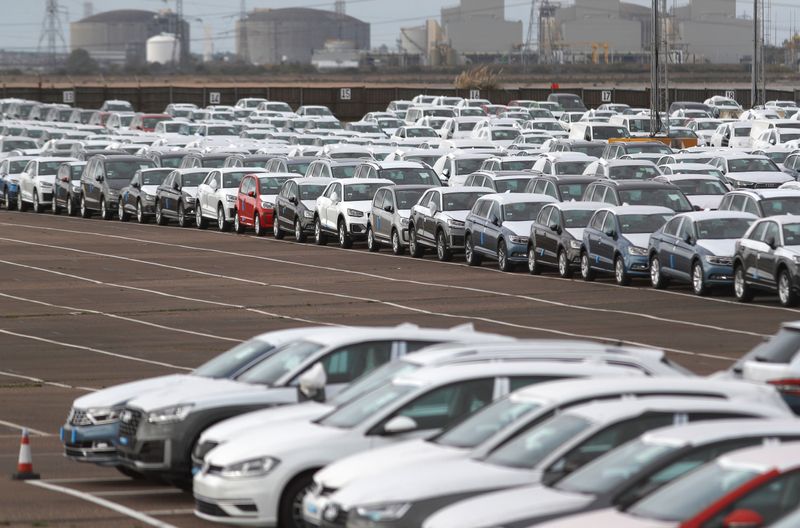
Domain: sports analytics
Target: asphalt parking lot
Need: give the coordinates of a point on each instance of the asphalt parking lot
(86, 303)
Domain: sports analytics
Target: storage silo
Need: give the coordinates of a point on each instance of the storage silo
(162, 49)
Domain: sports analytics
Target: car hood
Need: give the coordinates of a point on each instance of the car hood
(609, 517)
(308, 204)
(456, 215)
(507, 506)
(200, 390)
(576, 232)
(150, 189)
(265, 418)
(638, 239)
(722, 248)
(119, 394)
(793, 250)
(428, 479)
(521, 228)
(760, 177)
(384, 461)
(365, 206)
(706, 201)
(189, 191)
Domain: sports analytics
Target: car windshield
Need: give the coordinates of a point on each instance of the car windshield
(571, 167)
(459, 201)
(311, 191)
(428, 160)
(15, 167)
(781, 206)
(707, 125)
(328, 125)
(520, 212)
(389, 123)
(118, 107)
(709, 172)
(151, 122)
(471, 112)
(171, 162)
(511, 184)
(741, 131)
(468, 166)
(421, 132)
(76, 171)
(752, 165)
(648, 148)
(213, 163)
(126, 120)
(577, 218)
(49, 168)
(590, 150)
(193, 179)
(358, 410)
(410, 176)
(701, 187)
(639, 125)
(614, 468)
(778, 157)
(517, 165)
(633, 172)
(688, 496)
(124, 170)
(608, 132)
(285, 360)
(722, 228)
(485, 423)
(357, 192)
(272, 184)
(642, 223)
(503, 134)
(155, 177)
(343, 171)
(530, 447)
(572, 191)
(791, 234)
(221, 131)
(406, 199)
(379, 377)
(673, 199)
(440, 112)
(278, 107)
(298, 167)
(21, 144)
(229, 363)
(233, 179)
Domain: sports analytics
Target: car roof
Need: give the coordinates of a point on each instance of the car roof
(399, 164)
(628, 184)
(311, 181)
(782, 219)
(337, 336)
(769, 193)
(714, 215)
(628, 161)
(354, 181)
(640, 209)
(683, 177)
(509, 198)
(226, 170)
(782, 457)
(706, 432)
(451, 190)
(410, 187)
(677, 166)
(580, 206)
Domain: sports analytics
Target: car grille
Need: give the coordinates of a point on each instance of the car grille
(457, 241)
(209, 508)
(128, 427)
(766, 185)
(202, 449)
(78, 417)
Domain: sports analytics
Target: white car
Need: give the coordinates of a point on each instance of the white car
(457, 165)
(458, 127)
(262, 475)
(413, 136)
(216, 196)
(732, 135)
(750, 171)
(702, 191)
(342, 209)
(550, 449)
(36, 183)
(503, 136)
(561, 163)
(775, 137)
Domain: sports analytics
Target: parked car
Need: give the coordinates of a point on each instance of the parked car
(762, 202)
(623, 169)
(750, 171)
(217, 197)
(703, 192)
(67, 187)
(512, 181)
(399, 172)
(295, 206)
(255, 203)
(36, 183)
(176, 197)
(342, 209)
(10, 169)
(389, 218)
(622, 192)
(103, 178)
(138, 198)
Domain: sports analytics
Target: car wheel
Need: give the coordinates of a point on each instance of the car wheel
(222, 225)
(319, 236)
(21, 205)
(238, 227)
(54, 208)
(502, 257)
(372, 244)
(741, 290)
(786, 294)
(299, 236)
(472, 258)
(277, 232)
(182, 222)
(699, 286)
(564, 269)
(397, 246)
(345, 241)
(620, 273)
(657, 279)
(199, 219)
(534, 268)
(105, 213)
(37, 207)
(160, 218)
(290, 509)
(85, 212)
(442, 251)
(9, 204)
(121, 214)
(140, 216)
(70, 206)
(587, 273)
(414, 248)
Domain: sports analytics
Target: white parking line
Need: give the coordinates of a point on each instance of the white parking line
(389, 279)
(44, 382)
(31, 430)
(123, 510)
(135, 492)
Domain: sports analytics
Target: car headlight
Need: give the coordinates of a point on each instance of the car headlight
(308, 214)
(46, 185)
(176, 413)
(189, 199)
(267, 205)
(76, 187)
(230, 198)
(13, 180)
(148, 197)
(103, 415)
(354, 213)
(518, 239)
(575, 244)
(384, 512)
(255, 467)
(404, 222)
(719, 261)
(452, 222)
(797, 259)
(637, 251)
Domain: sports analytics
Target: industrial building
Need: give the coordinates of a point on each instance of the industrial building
(480, 26)
(121, 36)
(290, 36)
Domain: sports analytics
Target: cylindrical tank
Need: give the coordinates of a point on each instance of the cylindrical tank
(162, 48)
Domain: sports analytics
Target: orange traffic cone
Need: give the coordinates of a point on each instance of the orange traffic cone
(25, 464)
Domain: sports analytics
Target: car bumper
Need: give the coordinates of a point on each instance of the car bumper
(637, 266)
(518, 252)
(93, 443)
(267, 218)
(233, 501)
(719, 275)
(358, 230)
(154, 449)
(456, 238)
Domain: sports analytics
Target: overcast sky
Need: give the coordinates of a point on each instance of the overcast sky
(21, 24)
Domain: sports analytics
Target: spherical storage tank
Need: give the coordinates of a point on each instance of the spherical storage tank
(162, 48)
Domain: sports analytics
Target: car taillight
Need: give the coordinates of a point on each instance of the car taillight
(787, 386)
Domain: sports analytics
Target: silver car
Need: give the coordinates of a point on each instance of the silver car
(388, 221)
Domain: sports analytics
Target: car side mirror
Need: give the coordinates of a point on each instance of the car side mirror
(555, 227)
(689, 239)
(743, 519)
(312, 383)
(771, 242)
(434, 208)
(213, 184)
(251, 194)
(99, 177)
(135, 185)
(445, 172)
(495, 220)
(176, 186)
(388, 208)
(611, 233)
(294, 200)
(399, 425)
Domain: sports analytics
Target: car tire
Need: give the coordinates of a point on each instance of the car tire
(54, 208)
(71, 206)
(130, 473)
(472, 258)
(620, 273)
(222, 224)
(238, 226)
(85, 212)
(443, 253)
(534, 268)
(657, 279)
(397, 245)
(9, 204)
(299, 235)
(503, 264)
(21, 205)
(37, 207)
(564, 269)
(105, 213)
(699, 286)
(121, 214)
(160, 218)
(786, 294)
(140, 216)
(199, 220)
(320, 238)
(414, 249)
(587, 273)
(182, 220)
(372, 244)
(290, 507)
(742, 291)
(345, 242)
(277, 232)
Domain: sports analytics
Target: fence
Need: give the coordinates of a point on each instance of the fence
(347, 102)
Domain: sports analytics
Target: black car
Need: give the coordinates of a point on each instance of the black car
(196, 160)
(633, 192)
(294, 206)
(102, 179)
(556, 236)
(297, 165)
(169, 159)
(139, 196)
(248, 160)
(85, 154)
(67, 187)
(177, 196)
(590, 148)
(562, 187)
(624, 148)
(333, 168)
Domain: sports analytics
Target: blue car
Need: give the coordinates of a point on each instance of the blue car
(616, 239)
(697, 248)
(10, 168)
(498, 227)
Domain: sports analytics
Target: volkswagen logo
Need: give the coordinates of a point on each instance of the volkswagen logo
(126, 416)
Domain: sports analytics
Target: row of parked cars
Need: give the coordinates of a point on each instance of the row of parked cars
(407, 426)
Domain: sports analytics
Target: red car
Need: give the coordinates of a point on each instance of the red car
(255, 201)
(148, 122)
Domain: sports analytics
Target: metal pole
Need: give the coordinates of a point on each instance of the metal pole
(655, 93)
(754, 85)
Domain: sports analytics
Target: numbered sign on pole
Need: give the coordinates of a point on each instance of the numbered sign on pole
(730, 94)
(605, 96)
(345, 94)
(474, 94)
(68, 96)
(214, 98)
